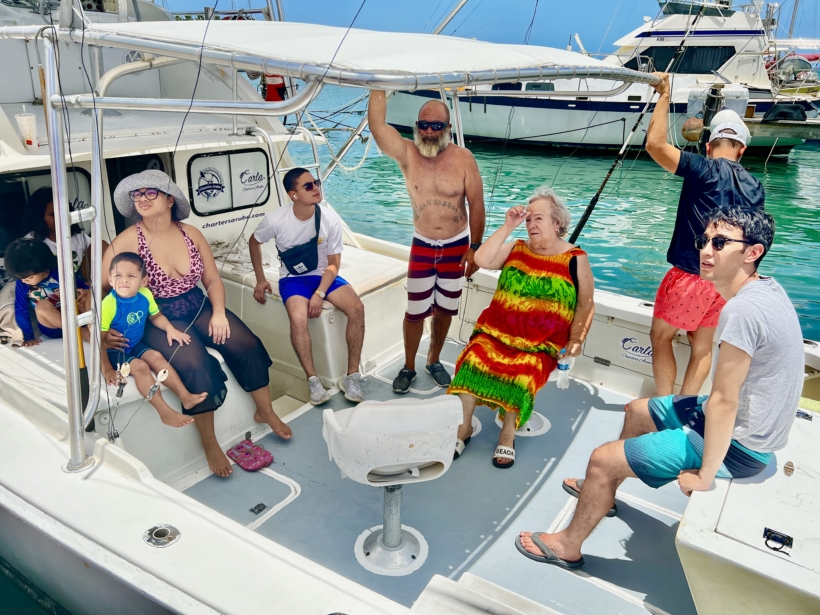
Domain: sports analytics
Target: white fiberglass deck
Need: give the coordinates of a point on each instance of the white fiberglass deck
(471, 515)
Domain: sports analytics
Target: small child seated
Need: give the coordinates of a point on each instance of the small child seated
(32, 264)
(125, 310)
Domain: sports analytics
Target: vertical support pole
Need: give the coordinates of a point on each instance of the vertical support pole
(391, 530)
(97, 67)
(77, 461)
(234, 117)
(457, 115)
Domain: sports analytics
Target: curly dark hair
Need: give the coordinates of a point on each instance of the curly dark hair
(27, 257)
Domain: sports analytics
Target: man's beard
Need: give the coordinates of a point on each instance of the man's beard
(430, 147)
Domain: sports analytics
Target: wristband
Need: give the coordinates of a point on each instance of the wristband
(321, 294)
(475, 246)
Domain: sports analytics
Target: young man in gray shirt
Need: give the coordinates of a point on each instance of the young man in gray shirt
(757, 380)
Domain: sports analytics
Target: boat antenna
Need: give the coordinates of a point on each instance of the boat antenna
(625, 147)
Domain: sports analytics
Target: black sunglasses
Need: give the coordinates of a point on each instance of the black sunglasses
(718, 243)
(435, 126)
(310, 185)
(150, 193)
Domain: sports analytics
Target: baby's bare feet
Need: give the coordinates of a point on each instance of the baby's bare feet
(192, 399)
(175, 419)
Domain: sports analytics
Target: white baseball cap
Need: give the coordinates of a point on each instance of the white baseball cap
(729, 120)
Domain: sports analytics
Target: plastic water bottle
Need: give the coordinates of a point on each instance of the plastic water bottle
(564, 365)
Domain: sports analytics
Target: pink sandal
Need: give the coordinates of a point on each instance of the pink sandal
(250, 456)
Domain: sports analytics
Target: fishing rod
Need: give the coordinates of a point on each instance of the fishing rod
(622, 153)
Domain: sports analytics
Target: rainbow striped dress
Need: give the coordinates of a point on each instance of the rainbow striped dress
(516, 341)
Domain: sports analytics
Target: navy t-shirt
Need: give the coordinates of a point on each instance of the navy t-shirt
(707, 184)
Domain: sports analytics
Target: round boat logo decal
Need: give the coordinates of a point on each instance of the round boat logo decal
(210, 183)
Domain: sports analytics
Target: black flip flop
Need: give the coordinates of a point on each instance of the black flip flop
(575, 493)
(548, 556)
(465, 442)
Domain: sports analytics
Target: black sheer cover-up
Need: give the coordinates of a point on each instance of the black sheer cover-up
(244, 353)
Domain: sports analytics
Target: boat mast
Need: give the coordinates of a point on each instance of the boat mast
(794, 17)
(449, 17)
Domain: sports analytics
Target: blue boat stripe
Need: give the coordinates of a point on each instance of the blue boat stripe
(658, 33)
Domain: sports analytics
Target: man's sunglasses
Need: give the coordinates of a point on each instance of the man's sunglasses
(718, 243)
(149, 193)
(435, 126)
(310, 185)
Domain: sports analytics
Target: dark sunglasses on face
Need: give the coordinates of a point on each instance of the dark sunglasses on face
(150, 194)
(310, 185)
(435, 126)
(718, 243)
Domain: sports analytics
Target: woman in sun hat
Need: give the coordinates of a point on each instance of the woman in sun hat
(178, 259)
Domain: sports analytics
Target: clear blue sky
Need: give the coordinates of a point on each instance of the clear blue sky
(599, 22)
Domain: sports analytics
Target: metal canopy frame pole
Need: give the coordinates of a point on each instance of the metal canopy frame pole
(78, 460)
(457, 116)
(449, 17)
(345, 148)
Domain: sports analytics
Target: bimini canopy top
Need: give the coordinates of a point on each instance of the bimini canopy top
(362, 58)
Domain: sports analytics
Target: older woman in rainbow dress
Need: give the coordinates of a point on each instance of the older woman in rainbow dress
(542, 308)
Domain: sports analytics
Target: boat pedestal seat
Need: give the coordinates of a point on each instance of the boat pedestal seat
(388, 445)
(380, 283)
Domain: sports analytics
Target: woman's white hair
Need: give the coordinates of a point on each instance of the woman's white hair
(558, 211)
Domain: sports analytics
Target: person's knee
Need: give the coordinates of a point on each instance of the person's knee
(298, 320)
(661, 333)
(139, 368)
(637, 407)
(602, 461)
(356, 311)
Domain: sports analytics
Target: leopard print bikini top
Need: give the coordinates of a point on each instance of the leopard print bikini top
(159, 283)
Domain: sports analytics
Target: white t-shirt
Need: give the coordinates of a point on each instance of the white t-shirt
(79, 244)
(761, 321)
(288, 232)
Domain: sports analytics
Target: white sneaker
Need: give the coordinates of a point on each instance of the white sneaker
(318, 393)
(350, 386)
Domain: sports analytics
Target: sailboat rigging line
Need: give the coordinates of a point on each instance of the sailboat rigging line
(532, 21)
(625, 147)
(271, 176)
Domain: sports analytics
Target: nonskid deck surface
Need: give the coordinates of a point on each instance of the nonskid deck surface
(471, 515)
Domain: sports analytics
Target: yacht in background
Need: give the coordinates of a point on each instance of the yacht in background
(721, 45)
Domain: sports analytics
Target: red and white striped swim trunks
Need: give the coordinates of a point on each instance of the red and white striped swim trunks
(435, 275)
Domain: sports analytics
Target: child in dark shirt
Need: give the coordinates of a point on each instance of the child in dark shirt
(34, 267)
(126, 309)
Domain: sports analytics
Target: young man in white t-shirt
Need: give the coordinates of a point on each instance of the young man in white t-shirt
(731, 433)
(304, 294)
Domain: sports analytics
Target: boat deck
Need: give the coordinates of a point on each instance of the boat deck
(471, 515)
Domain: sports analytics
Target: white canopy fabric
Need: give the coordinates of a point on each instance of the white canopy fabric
(364, 57)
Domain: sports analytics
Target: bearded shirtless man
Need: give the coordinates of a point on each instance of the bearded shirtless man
(442, 179)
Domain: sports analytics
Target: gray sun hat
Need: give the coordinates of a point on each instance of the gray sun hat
(150, 179)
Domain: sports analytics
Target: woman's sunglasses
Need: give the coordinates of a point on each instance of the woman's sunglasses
(149, 193)
(435, 126)
(718, 243)
(310, 185)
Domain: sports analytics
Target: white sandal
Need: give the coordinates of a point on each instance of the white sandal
(504, 452)
(460, 446)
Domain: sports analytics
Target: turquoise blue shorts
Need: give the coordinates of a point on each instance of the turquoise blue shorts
(658, 457)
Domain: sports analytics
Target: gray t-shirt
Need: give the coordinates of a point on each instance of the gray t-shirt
(761, 321)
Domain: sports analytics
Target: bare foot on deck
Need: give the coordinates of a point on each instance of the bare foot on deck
(276, 424)
(175, 419)
(192, 399)
(218, 461)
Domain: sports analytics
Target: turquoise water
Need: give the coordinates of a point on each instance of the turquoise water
(629, 232)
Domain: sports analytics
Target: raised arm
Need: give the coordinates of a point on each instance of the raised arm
(584, 307)
(387, 138)
(730, 372)
(657, 145)
(493, 253)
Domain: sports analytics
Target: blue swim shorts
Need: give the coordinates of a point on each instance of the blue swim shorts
(119, 357)
(305, 286)
(657, 458)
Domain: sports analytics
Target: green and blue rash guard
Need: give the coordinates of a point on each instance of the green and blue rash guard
(128, 316)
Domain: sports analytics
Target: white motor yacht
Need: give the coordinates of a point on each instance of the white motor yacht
(127, 517)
